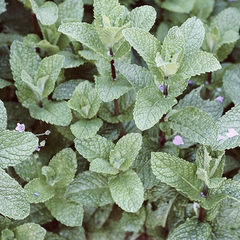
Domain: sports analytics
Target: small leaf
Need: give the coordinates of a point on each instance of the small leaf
(125, 151)
(38, 191)
(150, 107)
(3, 116)
(179, 6)
(15, 147)
(52, 112)
(2, 6)
(94, 147)
(102, 166)
(30, 231)
(90, 189)
(13, 198)
(67, 212)
(127, 190)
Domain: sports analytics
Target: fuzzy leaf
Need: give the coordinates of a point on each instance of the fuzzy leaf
(94, 147)
(15, 147)
(71, 60)
(64, 164)
(229, 121)
(85, 100)
(90, 189)
(2, 6)
(3, 116)
(203, 10)
(13, 198)
(38, 191)
(52, 112)
(86, 128)
(4, 83)
(65, 211)
(194, 124)
(127, 190)
(179, 6)
(192, 229)
(109, 89)
(150, 107)
(125, 151)
(30, 231)
(102, 166)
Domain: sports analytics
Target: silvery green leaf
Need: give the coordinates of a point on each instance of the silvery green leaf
(2, 6)
(102, 166)
(4, 83)
(71, 60)
(179, 6)
(3, 116)
(203, 10)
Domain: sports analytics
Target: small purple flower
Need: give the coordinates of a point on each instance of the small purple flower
(20, 127)
(161, 87)
(36, 194)
(220, 137)
(190, 82)
(231, 133)
(206, 82)
(37, 149)
(202, 194)
(178, 140)
(220, 99)
(232, 0)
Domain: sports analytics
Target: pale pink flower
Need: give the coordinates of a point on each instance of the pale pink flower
(20, 127)
(178, 140)
(231, 133)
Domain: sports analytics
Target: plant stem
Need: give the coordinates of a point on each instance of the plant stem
(161, 136)
(35, 24)
(207, 94)
(201, 214)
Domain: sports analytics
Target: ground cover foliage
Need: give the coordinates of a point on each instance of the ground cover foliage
(119, 120)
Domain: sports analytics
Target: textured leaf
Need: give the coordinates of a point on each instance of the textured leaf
(86, 128)
(71, 60)
(73, 233)
(3, 116)
(13, 198)
(52, 112)
(137, 76)
(64, 91)
(228, 121)
(30, 231)
(231, 82)
(38, 191)
(109, 89)
(94, 147)
(203, 10)
(86, 34)
(2, 6)
(4, 83)
(191, 229)
(194, 124)
(47, 13)
(143, 17)
(179, 6)
(85, 100)
(67, 212)
(15, 147)
(102, 166)
(90, 189)
(127, 190)
(125, 151)
(150, 107)
(64, 164)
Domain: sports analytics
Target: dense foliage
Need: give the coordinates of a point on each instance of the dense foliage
(119, 120)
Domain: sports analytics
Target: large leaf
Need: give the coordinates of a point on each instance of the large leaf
(127, 190)
(15, 147)
(150, 107)
(90, 189)
(13, 198)
(102, 166)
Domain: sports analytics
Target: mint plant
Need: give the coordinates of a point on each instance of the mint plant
(119, 119)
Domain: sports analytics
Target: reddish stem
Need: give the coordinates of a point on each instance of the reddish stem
(207, 94)
(201, 214)
(35, 24)
(162, 137)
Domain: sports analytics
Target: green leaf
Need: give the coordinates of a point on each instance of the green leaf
(94, 147)
(125, 151)
(142, 17)
(13, 198)
(2, 6)
(137, 76)
(192, 229)
(179, 6)
(85, 100)
(52, 112)
(203, 10)
(47, 13)
(15, 147)
(7, 234)
(86, 34)
(194, 124)
(231, 82)
(73, 233)
(109, 89)
(3, 116)
(71, 60)
(30, 231)
(86, 128)
(38, 191)
(150, 107)
(226, 122)
(4, 83)
(102, 166)
(194, 33)
(64, 91)
(65, 211)
(228, 19)
(49, 68)
(127, 190)
(90, 189)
